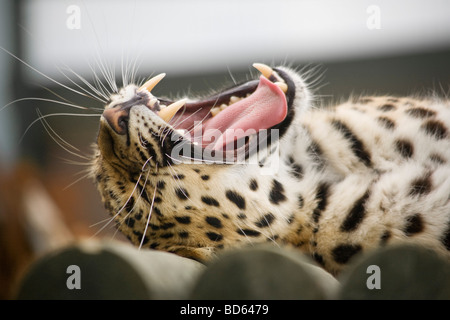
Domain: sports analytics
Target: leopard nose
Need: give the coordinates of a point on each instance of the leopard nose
(117, 118)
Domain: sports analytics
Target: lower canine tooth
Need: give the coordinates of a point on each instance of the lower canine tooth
(283, 86)
(223, 106)
(168, 112)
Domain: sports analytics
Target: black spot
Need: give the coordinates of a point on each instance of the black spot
(188, 207)
(205, 177)
(420, 113)
(157, 200)
(225, 216)
(253, 185)
(183, 234)
(183, 219)
(182, 193)
(166, 235)
(421, 185)
(178, 176)
(265, 221)
(242, 216)
(213, 221)
(437, 159)
(435, 129)
(405, 148)
(130, 204)
(277, 193)
(210, 201)
(167, 225)
(300, 201)
(291, 218)
(446, 238)
(160, 185)
(153, 226)
(138, 215)
(297, 170)
(322, 200)
(236, 198)
(154, 245)
(414, 224)
(386, 122)
(144, 194)
(142, 239)
(112, 195)
(248, 232)
(344, 252)
(355, 144)
(214, 236)
(129, 222)
(197, 170)
(356, 214)
(316, 154)
(385, 237)
(387, 107)
(157, 211)
(318, 258)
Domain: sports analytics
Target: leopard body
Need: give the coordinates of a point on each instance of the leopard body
(341, 180)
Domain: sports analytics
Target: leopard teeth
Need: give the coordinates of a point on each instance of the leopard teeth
(215, 111)
(153, 101)
(168, 112)
(150, 84)
(265, 70)
(283, 86)
(234, 99)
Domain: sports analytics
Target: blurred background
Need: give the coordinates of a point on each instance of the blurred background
(52, 49)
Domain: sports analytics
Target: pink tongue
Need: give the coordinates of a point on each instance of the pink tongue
(265, 108)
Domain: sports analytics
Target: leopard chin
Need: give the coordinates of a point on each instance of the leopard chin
(258, 162)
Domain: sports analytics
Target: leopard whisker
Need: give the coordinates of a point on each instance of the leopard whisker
(42, 117)
(98, 95)
(149, 216)
(57, 138)
(47, 100)
(43, 74)
(139, 197)
(121, 209)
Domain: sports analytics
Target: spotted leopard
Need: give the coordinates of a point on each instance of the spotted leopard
(262, 162)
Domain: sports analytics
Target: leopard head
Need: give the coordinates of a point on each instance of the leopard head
(190, 176)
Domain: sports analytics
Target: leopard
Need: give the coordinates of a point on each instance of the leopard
(263, 161)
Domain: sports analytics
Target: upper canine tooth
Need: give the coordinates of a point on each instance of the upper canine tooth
(264, 69)
(283, 86)
(150, 84)
(168, 112)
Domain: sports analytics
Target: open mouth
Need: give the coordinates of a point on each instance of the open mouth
(230, 124)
